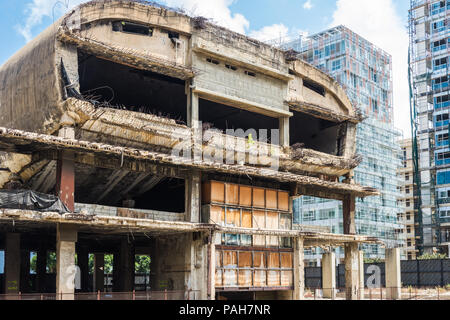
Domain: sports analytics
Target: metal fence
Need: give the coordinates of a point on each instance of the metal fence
(410, 293)
(415, 273)
(149, 295)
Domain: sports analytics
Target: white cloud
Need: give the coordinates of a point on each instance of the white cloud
(270, 33)
(379, 23)
(217, 10)
(37, 10)
(308, 5)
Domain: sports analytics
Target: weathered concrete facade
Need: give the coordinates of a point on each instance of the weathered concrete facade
(131, 112)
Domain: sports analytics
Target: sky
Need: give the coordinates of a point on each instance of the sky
(382, 22)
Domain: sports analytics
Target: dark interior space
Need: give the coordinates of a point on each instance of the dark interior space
(314, 133)
(111, 187)
(136, 90)
(235, 296)
(224, 117)
(168, 195)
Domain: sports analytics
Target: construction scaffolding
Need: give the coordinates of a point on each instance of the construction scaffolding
(429, 94)
(365, 73)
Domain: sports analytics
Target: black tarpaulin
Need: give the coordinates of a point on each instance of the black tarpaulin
(30, 200)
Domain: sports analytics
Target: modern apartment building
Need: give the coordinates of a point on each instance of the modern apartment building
(408, 201)
(430, 96)
(365, 72)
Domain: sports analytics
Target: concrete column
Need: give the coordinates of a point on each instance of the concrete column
(211, 267)
(99, 272)
(351, 271)
(192, 107)
(393, 274)
(299, 269)
(83, 264)
(12, 263)
(349, 207)
(126, 276)
(193, 194)
(24, 271)
(329, 275)
(116, 271)
(41, 268)
(65, 172)
(284, 132)
(66, 239)
(362, 284)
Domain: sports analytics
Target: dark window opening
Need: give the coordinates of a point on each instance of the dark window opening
(311, 85)
(228, 66)
(223, 117)
(113, 84)
(123, 26)
(314, 133)
(212, 61)
(118, 188)
(251, 74)
(173, 35)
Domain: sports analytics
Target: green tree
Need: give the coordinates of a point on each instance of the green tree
(434, 256)
(142, 264)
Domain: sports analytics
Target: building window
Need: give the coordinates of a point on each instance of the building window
(407, 190)
(408, 203)
(439, 45)
(439, 26)
(438, 7)
(442, 120)
(440, 83)
(407, 177)
(443, 158)
(443, 177)
(440, 64)
(128, 27)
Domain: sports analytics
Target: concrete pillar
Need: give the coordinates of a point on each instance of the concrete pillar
(299, 269)
(65, 172)
(351, 271)
(193, 107)
(126, 276)
(284, 132)
(329, 275)
(362, 284)
(41, 269)
(393, 274)
(193, 194)
(83, 264)
(211, 267)
(116, 271)
(66, 239)
(25, 271)
(348, 208)
(12, 263)
(99, 272)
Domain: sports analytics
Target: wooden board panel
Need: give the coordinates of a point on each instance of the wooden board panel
(286, 260)
(217, 192)
(287, 278)
(271, 199)
(229, 259)
(230, 278)
(206, 192)
(247, 219)
(259, 260)
(245, 259)
(283, 200)
(245, 196)
(272, 224)
(219, 280)
(259, 278)
(259, 198)
(217, 215)
(273, 278)
(218, 258)
(233, 217)
(232, 194)
(273, 260)
(245, 278)
(259, 223)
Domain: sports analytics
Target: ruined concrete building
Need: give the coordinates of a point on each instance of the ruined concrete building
(119, 135)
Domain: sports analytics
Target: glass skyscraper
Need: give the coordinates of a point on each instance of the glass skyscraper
(365, 72)
(430, 96)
